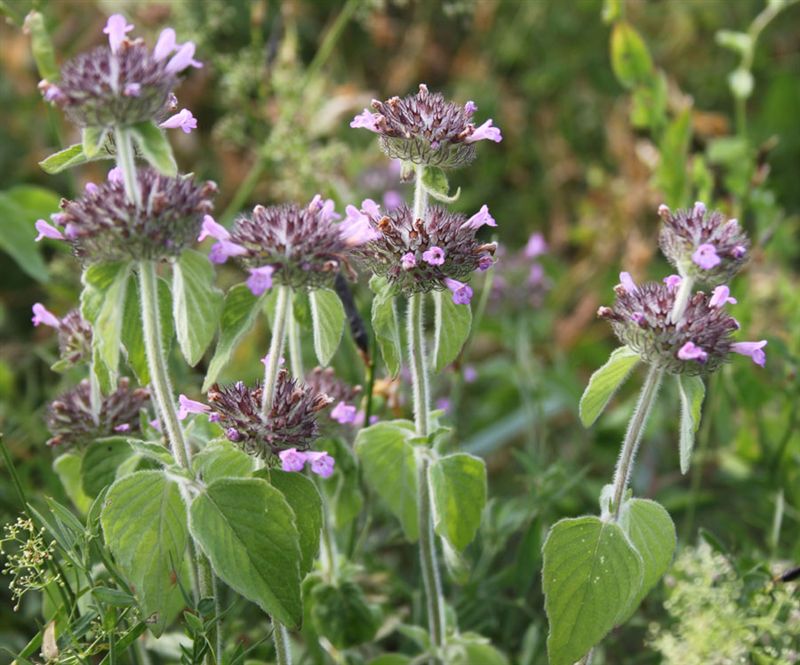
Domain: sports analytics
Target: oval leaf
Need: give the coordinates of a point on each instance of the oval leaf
(327, 318)
(451, 329)
(132, 333)
(458, 490)
(605, 382)
(104, 461)
(385, 324)
(692, 391)
(155, 147)
(630, 58)
(591, 574)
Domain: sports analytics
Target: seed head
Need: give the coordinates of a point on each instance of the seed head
(104, 225)
(291, 422)
(69, 418)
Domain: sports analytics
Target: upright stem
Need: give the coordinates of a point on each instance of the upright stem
(127, 164)
(633, 435)
(280, 636)
(273, 363)
(295, 348)
(681, 298)
(419, 371)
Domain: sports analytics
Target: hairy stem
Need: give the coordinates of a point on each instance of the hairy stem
(283, 654)
(633, 435)
(295, 348)
(432, 581)
(127, 164)
(681, 298)
(273, 362)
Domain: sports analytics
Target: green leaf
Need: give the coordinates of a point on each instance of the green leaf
(144, 523)
(451, 329)
(41, 46)
(591, 574)
(390, 468)
(65, 159)
(221, 459)
(342, 615)
(692, 391)
(343, 489)
(651, 531)
(155, 147)
(248, 531)
(327, 317)
(302, 495)
(104, 461)
(671, 174)
(68, 469)
(434, 180)
(102, 305)
(385, 324)
(458, 490)
(649, 104)
(132, 334)
(151, 450)
(93, 139)
(238, 315)
(630, 58)
(471, 649)
(19, 209)
(391, 659)
(605, 382)
(196, 304)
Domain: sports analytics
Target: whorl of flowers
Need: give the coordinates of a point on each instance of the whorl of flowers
(299, 246)
(342, 394)
(705, 246)
(426, 129)
(123, 83)
(105, 225)
(290, 424)
(69, 417)
(418, 255)
(520, 280)
(74, 333)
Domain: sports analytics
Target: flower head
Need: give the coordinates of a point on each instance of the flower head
(69, 417)
(426, 129)
(705, 246)
(104, 225)
(290, 424)
(74, 338)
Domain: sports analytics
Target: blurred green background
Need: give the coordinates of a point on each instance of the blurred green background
(585, 161)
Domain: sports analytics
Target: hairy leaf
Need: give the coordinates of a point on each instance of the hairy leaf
(605, 382)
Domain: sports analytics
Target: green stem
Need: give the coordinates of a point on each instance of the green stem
(127, 164)
(283, 654)
(295, 348)
(633, 435)
(416, 353)
(682, 298)
(434, 598)
(273, 363)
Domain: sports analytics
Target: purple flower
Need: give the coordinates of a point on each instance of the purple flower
(115, 175)
(292, 459)
(470, 374)
(637, 317)
(182, 120)
(265, 360)
(343, 413)
(392, 199)
(90, 188)
(444, 404)
(116, 29)
(325, 207)
(47, 231)
(356, 229)
(536, 246)
(321, 464)
(536, 275)
(52, 93)
(260, 279)
(213, 418)
(183, 58)
(690, 351)
(155, 424)
(222, 250)
(480, 218)
(470, 107)
(700, 209)
(672, 281)
(738, 251)
(753, 349)
(125, 427)
(366, 120)
(165, 45)
(434, 256)
(462, 293)
(233, 435)
(187, 406)
(485, 262)
(211, 229)
(627, 282)
(132, 90)
(42, 315)
(721, 296)
(706, 256)
(408, 261)
(486, 132)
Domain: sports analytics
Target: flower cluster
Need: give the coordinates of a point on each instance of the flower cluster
(667, 325)
(290, 424)
(123, 83)
(418, 255)
(105, 225)
(299, 246)
(342, 395)
(74, 333)
(520, 280)
(426, 129)
(72, 423)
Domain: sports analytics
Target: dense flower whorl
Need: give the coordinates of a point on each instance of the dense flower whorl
(698, 343)
(104, 225)
(74, 338)
(290, 424)
(705, 246)
(69, 417)
(426, 129)
(418, 255)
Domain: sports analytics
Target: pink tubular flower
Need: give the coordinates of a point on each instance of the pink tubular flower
(321, 464)
(721, 296)
(114, 175)
(222, 250)
(739, 251)
(125, 427)
(183, 58)
(356, 229)
(326, 207)
(211, 229)
(536, 246)
(392, 199)
(627, 282)
(433, 256)
(462, 293)
(366, 120)
(479, 219)
(155, 424)
(699, 209)
(52, 93)
(165, 45)
(183, 120)
(672, 281)
(485, 262)
(116, 29)
(486, 132)
(260, 279)
(42, 315)
(408, 261)
(132, 90)
(470, 374)
(47, 231)
(343, 413)
(690, 351)
(292, 459)
(187, 406)
(470, 107)
(265, 360)
(753, 349)
(706, 256)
